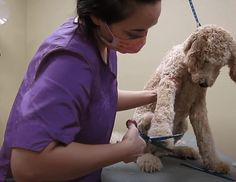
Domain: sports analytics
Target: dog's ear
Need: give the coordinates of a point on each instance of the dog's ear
(232, 61)
(192, 50)
(189, 51)
(189, 42)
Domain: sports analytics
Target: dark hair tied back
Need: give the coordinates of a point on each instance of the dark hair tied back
(109, 11)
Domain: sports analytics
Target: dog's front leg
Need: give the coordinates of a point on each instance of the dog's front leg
(162, 122)
(199, 121)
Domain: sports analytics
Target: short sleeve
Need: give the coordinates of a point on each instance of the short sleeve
(52, 109)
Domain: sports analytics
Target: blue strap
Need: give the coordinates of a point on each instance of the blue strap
(194, 13)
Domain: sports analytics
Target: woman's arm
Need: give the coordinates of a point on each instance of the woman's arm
(58, 162)
(132, 99)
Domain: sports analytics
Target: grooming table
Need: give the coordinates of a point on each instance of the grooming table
(172, 171)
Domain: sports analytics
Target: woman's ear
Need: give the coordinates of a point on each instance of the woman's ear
(95, 20)
(232, 62)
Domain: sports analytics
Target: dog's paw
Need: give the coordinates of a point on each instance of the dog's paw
(186, 152)
(219, 167)
(149, 163)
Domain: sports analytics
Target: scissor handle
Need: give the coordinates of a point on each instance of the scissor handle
(131, 121)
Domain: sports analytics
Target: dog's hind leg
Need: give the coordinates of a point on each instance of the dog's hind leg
(185, 152)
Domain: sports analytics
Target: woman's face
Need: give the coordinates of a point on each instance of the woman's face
(137, 24)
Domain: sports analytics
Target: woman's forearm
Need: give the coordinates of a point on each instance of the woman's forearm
(132, 99)
(64, 162)
(58, 162)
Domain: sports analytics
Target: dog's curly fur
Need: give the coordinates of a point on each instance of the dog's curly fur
(181, 82)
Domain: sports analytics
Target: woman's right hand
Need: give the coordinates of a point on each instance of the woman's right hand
(134, 143)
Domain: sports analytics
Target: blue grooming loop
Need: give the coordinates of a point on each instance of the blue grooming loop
(194, 13)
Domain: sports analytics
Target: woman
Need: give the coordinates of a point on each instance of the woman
(62, 118)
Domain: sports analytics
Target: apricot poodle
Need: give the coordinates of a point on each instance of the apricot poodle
(181, 81)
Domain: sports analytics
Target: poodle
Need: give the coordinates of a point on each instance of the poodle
(181, 81)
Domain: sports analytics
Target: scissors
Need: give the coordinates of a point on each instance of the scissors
(156, 140)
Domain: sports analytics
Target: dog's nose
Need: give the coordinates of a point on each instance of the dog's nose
(203, 84)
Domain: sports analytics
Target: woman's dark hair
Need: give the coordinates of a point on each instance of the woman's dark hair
(109, 11)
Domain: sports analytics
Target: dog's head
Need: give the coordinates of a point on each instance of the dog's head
(207, 50)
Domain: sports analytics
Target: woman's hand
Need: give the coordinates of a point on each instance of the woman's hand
(135, 144)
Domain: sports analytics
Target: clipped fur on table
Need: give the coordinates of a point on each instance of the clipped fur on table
(181, 81)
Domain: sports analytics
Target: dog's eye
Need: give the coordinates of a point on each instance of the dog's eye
(206, 61)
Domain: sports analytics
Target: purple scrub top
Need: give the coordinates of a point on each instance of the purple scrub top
(68, 95)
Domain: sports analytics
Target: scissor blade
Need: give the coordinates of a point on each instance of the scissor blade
(145, 137)
(158, 144)
(161, 138)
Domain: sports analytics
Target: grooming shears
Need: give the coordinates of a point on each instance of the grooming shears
(155, 140)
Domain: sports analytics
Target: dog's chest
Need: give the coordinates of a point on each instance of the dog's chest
(185, 98)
